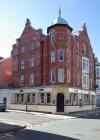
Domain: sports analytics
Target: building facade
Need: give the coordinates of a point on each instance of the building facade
(53, 72)
(97, 77)
(5, 72)
(5, 78)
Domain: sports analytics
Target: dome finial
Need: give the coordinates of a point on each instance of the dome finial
(59, 11)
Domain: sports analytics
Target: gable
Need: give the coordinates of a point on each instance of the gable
(27, 30)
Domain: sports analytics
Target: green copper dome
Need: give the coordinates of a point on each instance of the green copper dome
(59, 19)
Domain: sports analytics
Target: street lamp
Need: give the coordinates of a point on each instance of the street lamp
(26, 102)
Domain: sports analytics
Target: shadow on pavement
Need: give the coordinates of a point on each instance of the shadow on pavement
(38, 135)
(5, 128)
(91, 114)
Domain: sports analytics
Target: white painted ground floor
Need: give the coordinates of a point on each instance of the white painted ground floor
(54, 99)
(98, 98)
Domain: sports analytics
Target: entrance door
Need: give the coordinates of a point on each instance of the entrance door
(60, 102)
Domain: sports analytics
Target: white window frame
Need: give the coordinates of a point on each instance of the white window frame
(68, 76)
(85, 84)
(48, 97)
(31, 78)
(52, 37)
(33, 98)
(32, 62)
(42, 98)
(52, 75)
(78, 79)
(97, 71)
(61, 75)
(68, 55)
(22, 49)
(22, 64)
(98, 83)
(52, 55)
(21, 79)
(61, 52)
(85, 65)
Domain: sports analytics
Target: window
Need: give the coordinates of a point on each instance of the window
(28, 98)
(78, 61)
(31, 79)
(22, 49)
(68, 36)
(17, 100)
(53, 37)
(33, 46)
(68, 56)
(53, 75)
(21, 79)
(85, 65)
(98, 84)
(78, 47)
(60, 75)
(78, 79)
(61, 55)
(22, 64)
(52, 56)
(32, 62)
(33, 98)
(97, 71)
(42, 97)
(85, 81)
(48, 98)
(22, 98)
(61, 35)
(68, 76)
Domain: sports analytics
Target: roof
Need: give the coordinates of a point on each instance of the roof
(59, 21)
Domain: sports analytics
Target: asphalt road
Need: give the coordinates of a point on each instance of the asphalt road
(48, 127)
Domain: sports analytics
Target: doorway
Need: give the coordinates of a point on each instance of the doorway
(60, 102)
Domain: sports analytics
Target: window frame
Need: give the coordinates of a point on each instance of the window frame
(61, 55)
(61, 75)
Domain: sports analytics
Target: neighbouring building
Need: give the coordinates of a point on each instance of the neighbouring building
(5, 78)
(5, 72)
(53, 72)
(97, 77)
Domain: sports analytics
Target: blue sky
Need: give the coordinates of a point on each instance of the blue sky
(13, 14)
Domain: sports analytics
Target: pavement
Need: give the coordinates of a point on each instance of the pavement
(7, 126)
(86, 114)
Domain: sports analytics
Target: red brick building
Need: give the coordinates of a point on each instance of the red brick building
(5, 72)
(56, 69)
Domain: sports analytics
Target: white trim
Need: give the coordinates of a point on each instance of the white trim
(73, 90)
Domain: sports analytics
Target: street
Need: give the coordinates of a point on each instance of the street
(52, 127)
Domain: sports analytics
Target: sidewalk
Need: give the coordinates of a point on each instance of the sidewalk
(8, 126)
(87, 113)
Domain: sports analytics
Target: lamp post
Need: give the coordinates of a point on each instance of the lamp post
(26, 102)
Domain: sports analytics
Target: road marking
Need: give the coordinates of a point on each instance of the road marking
(15, 122)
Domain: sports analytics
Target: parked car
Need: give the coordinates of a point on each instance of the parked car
(2, 107)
